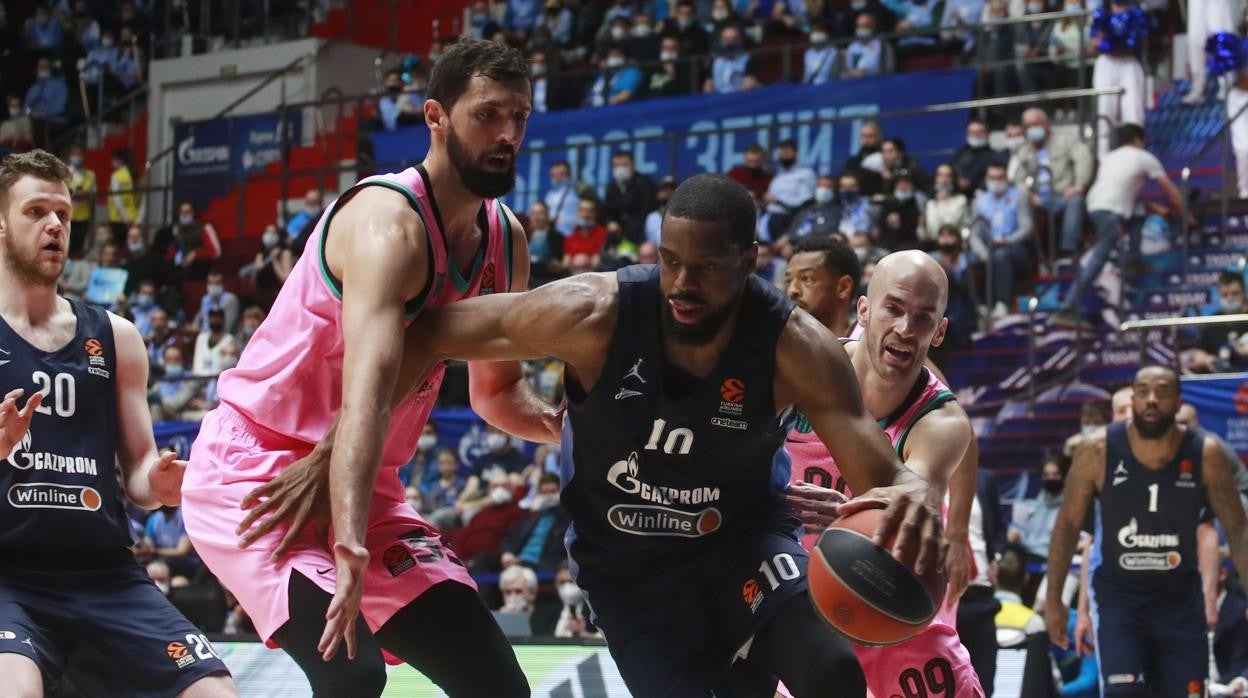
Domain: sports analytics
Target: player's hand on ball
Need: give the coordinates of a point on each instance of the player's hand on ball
(14, 423)
(165, 479)
(298, 496)
(1085, 639)
(345, 607)
(816, 506)
(912, 519)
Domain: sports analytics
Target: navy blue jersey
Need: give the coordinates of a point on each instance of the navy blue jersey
(62, 505)
(658, 464)
(1146, 531)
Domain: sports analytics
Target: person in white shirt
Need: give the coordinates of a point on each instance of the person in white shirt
(946, 207)
(1111, 203)
(1204, 19)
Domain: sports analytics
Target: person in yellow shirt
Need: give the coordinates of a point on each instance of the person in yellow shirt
(123, 201)
(82, 183)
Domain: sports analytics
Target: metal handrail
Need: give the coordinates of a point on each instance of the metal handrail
(1185, 175)
(1173, 324)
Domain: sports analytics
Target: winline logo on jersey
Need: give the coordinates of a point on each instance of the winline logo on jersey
(660, 518)
(1129, 537)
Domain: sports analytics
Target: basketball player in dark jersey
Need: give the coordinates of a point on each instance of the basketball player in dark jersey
(1152, 478)
(66, 571)
(682, 379)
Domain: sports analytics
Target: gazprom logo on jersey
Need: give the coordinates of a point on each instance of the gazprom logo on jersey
(23, 458)
(1129, 538)
(48, 495)
(660, 519)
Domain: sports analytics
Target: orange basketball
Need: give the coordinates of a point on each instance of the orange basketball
(858, 587)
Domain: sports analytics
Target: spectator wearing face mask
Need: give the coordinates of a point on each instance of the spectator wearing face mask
(1223, 348)
(518, 585)
(195, 245)
(685, 28)
(587, 237)
(217, 298)
(1091, 419)
(899, 217)
(537, 540)
(440, 495)
(562, 200)
(654, 219)
(500, 454)
(752, 173)
(210, 343)
(545, 245)
(83, 187)
(675, 75)
(820, 217)
(970, 162)
(857, 214)
(159, 338)
(1034, 519)
(733, 69)
(896, 162)
(1015, 139)
(867, 54)
(123, 201)
(819, 63)
(630, 197)
(870, 138)
(208, 399)
(960, 309)
(252, 317)
(17, 132)
(575, 619)
(48, 96)
(481, 24)
(487, 521)
(147, 264)
(723, 15)
(142, 306)
(172, 393)
(300, 226)
(792, 187)
(272, 265)
(946, 207)
(1059, 168)
(43, 31)
(1001, 236)
(868, 253)
(642, 44)
(618, 81)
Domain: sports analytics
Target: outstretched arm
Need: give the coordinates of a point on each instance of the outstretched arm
(1083, 482)
(498, 390)
(1224, 499)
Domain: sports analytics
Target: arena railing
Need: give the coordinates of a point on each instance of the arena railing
(1225, 183)
(1144, 328)
(790, 54)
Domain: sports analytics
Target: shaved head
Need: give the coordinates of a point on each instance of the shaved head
(903, 313)
(914, 272)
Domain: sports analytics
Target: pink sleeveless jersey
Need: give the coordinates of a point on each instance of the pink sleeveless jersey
(289, 378)
(935, 656)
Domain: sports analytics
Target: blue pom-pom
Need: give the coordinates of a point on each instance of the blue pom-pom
(1224, 53)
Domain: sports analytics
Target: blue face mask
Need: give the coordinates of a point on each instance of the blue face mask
(145, 301)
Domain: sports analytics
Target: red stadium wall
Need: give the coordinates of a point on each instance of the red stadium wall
(414, 19)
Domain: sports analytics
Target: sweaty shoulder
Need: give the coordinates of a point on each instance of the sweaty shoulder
(377, 229)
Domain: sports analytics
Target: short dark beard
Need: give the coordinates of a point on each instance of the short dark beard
(26, 271)
(1151, 431)
(700, 332)
(476, 179)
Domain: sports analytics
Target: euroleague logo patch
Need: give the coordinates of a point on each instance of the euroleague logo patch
(733, 393)
(488, 279)
(179, 653)
(1185, 474)
(94, 348)
(397, 559)
(95, 358)
(753, 594)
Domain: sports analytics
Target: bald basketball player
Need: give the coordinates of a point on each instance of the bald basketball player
(903, 317)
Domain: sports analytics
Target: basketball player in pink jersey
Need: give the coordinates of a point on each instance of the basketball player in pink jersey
(902, 317)
(388, 248)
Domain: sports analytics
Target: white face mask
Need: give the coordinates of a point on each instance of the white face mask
(669, 55)
(860, 253)
(641, 31)
(15, 112)
(1035, 8)
(500, 495)
(976, 142)
(1074, 8)
(215, 289)
(570, 594)
(185, 219)
(818, 37)
(514, 602)
(1088, 429)
(618, 33)
(1232, 306)
(719, 15)
(863, 33)
(823, 195)
(621, 173)
(1036, 134)
(427, 442)
(269, 239)
(1014, 143)
(903, 195)
(615, 61)
(996, 186)
(495, 441)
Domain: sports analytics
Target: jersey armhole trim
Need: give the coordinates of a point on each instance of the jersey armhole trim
(938, 400)
(414, 306)
(506, 221)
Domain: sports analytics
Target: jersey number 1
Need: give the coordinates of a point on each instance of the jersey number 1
(1152, 497)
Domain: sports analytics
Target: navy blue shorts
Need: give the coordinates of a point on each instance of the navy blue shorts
(676, 632)
(149, 643)
(1150, 644)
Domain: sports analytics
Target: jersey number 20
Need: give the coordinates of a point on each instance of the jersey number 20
(58, 392)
